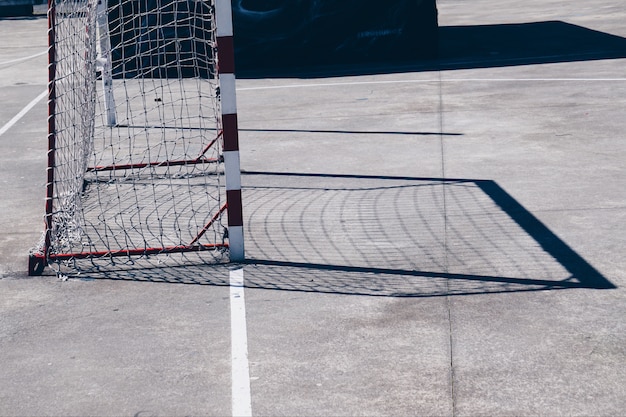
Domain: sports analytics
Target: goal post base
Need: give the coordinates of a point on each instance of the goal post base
(36, 265)
(38, 262)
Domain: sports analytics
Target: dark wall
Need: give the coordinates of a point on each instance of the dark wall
(279, 32)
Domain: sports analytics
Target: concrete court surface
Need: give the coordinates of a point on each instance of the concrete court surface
(442, 238)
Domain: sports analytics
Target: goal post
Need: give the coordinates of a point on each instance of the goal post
(143, 153)
(226, 71)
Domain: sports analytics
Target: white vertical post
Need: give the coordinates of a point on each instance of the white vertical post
(226, 72)
(105, 61)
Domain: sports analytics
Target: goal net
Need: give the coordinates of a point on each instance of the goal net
(143, 164)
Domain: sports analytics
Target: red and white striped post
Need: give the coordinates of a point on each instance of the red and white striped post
(226, 71)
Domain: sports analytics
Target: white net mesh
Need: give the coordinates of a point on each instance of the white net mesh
(137, 156)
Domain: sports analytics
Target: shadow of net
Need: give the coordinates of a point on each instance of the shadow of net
(403, 237)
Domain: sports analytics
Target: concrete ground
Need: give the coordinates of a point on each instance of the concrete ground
(433, 238)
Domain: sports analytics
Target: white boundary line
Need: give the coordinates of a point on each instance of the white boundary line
(241, 399)
(26, 58)
(426, 81)
(21, 114)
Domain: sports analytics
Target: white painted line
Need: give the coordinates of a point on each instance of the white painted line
(21, 114)
(241, 399)
(531, 79)
(26, 58)
(337, 84)
(426, 81)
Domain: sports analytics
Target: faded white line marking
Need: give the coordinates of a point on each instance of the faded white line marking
(21, 114)
(26, 58)
(427, 81)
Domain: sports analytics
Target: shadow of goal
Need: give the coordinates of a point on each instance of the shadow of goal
(403, 237)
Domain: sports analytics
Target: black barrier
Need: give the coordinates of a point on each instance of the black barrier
(275, 33)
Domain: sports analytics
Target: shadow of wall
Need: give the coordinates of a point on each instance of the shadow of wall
(479, 46)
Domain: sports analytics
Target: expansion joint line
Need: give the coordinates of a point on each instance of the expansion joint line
(445, 247)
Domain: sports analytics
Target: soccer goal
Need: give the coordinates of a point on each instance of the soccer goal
(143, 159)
